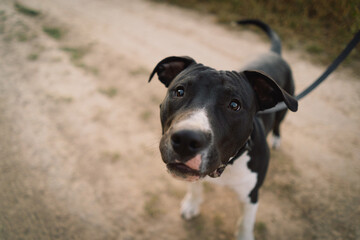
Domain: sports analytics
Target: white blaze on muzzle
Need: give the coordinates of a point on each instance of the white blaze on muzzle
(197, 120)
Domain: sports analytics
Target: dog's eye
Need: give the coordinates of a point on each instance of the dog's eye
(179, 91)
(234, 105)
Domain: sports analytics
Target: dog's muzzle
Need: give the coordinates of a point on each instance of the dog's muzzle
(188, 171)
(186, 143)
(189, 147)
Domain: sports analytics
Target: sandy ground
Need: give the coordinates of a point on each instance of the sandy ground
(79, 130)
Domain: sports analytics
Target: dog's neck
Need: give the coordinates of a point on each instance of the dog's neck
(246, 147)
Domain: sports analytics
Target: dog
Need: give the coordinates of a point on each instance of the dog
(211, 129)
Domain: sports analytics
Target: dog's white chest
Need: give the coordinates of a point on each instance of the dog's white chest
(238, 177)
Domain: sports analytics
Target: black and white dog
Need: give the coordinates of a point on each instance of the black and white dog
(209, 121)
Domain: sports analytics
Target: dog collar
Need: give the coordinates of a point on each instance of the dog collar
(247, 147)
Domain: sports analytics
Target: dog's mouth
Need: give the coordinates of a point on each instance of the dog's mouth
(183, 172)
(190, 170)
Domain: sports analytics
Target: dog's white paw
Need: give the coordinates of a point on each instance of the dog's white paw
(190, 207)
(276, 142)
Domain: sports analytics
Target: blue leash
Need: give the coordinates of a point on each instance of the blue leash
(351, 45)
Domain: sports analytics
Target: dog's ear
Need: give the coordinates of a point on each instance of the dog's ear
(168, 68)
(268, 92)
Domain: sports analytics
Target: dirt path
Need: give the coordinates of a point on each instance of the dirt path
(79, 130)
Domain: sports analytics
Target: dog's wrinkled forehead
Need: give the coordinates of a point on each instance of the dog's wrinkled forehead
(209, 85)
(210, 77)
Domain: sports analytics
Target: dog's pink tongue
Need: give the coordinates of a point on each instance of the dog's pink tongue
(194, 163)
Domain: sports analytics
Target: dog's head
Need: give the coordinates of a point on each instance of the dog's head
(207, 115)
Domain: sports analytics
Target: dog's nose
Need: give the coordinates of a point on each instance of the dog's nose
(187, 143)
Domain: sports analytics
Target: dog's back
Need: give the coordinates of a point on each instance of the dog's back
(277, 68)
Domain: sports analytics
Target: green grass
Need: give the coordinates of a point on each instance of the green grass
(76, 53)
(320, 27)
(2, 28)
(218, 222)
(53, 32)
(3, 16)
(196, 227)
(22, 36)
(26, 10)
(261, 231)
(145, 115)
(152, 206)
(109, 92)
(33, 56)
(113, 157)
(314, 49)
(60, 99)
(66, 99)
(87, 68)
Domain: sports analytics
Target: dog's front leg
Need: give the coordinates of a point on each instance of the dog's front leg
(190, 205)
(246, 226)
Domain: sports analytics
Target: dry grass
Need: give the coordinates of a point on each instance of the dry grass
(53, 32)
(26, 10)
(152, 206)
(109, 92)
(319, 27)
